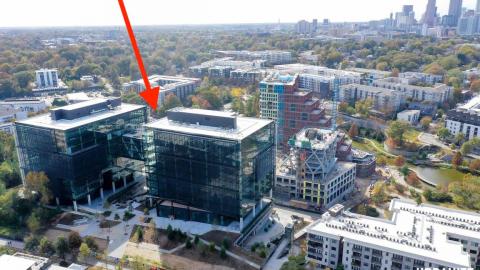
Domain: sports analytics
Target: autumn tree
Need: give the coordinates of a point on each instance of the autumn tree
(425, 122)
(475, 86)
(412, 179)
(399, 161)
(457, 159)
(353, 132)
(396, 130)
(443, 133)
(36, 183)
(474, 165)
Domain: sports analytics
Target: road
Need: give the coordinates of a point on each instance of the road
(12, 243)
(428, 138)
(274, 262)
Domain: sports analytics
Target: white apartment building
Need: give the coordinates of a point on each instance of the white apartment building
(271, 57)
(311, 172)
(182, 87)
(371, 75)
(422, 77)
(48, 81)
(343, 76)
(410, 116)
(437, 93)
(46, 78)
(24, 105)
(465, 119)
(384, 100)
(416, 237)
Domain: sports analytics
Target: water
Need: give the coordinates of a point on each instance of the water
(438, 176)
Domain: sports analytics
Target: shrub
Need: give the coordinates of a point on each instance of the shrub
(226, 243)
(107, 213)
(116, 217)
(188, 243)
(196, 240)
(435, 196)
(91, 243)
(262, 253)
(223, 253)
(211, 247)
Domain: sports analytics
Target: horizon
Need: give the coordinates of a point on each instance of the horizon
(91, 13)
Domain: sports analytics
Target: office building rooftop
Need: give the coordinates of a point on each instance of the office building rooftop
(79, 114)
(209, 123)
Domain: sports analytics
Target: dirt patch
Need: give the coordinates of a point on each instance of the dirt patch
(160, 239)
(177, 261)
(53, 233)
(218, 236)
(212, 258)
(69, 218)
(108, 223)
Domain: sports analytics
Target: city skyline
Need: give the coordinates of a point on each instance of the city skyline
(94, 13)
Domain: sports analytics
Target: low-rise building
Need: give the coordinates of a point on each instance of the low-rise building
(48, 82)
(383, 100)
(311, 172)
(416, 237)
(271, 57)
(182, 87)
(366, 163)
(343, 76)
(437, 93)
(30, 105)
(227, 68)
(371, 75)
(425, 78)
(465, 119)
(22, 261)
(410, 116)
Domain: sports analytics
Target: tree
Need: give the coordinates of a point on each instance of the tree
(37, 183)
(91, 243)
(378, 193)
(425, 122)
(362, 107)
(45, 247)
(443, 134)
(84, 252)
(457, 159)
(475, 86)
(223, 253)
(74, 240)
(412, 179)
(138, 234)
(33, 223)
(399, 161)
(353, 131)
(435, 69)
(381, 161)
(405, 170)
(459, 138)
(474, 165)
(31, 243)
(61, 247)
(23, 78)
(188, 243)
(211, 246)
(171, 101)
(396, 131)
(196, 239)
(468, 146)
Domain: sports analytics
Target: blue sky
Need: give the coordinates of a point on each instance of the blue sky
(160, 12)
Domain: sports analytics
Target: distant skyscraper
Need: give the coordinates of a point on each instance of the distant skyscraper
(407, 9)
(430, 13)
(478, 6)
(455, 11)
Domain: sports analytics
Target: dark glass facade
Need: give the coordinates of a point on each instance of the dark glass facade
(74, 158)
(225, 177)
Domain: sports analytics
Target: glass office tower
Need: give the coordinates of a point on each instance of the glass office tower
(209, 166)
(74, 144)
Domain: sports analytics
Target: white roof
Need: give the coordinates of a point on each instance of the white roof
(472, 105)
(78, 96)
(245, 126)
(396, 236)
(15, 263)
(46, 121)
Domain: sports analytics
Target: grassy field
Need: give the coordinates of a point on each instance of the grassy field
(412, 135)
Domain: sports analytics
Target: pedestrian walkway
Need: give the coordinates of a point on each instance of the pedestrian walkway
(12, 243)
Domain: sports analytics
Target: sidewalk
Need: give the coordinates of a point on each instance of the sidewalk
(12, 243)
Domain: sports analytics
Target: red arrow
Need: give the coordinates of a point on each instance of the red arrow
(150, 95)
